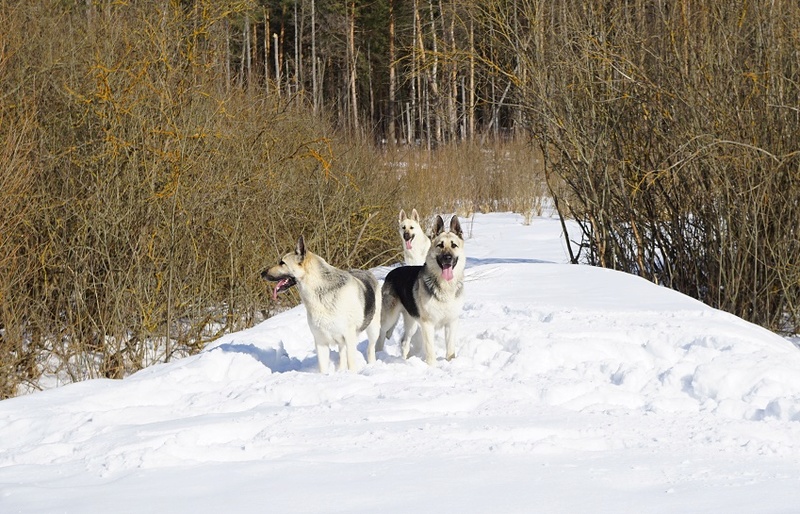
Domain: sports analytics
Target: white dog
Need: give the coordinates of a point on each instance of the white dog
(415, 242)
(340, 304)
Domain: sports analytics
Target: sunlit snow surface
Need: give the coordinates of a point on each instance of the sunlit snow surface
(575, 389)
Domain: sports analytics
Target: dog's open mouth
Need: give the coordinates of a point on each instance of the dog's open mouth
(408, 238)
(283, 284)
(447, 263)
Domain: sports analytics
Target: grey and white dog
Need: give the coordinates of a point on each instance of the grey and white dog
(340, 304)
(429, 296)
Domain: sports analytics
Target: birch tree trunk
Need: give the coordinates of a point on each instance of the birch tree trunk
(434, 80)
(244, 68)
(412, 108)
(314, 86)
(452, 93)
(266, 49)
(296, 50)
(277, 63)
(392, 77)
(351, 46)
(424, 121)
(471, 92)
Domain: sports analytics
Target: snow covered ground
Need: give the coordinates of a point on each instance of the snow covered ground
(575, 389)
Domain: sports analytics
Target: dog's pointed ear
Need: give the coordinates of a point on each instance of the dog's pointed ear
(415, 215)
(455, 226)
(300, 249)
(402, 216)
(438, 226)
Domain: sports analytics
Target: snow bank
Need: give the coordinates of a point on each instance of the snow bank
(567, 378)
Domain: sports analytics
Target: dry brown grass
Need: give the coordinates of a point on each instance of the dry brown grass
(467, 178)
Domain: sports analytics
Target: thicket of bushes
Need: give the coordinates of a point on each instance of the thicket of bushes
(676, 127)
(141, 195)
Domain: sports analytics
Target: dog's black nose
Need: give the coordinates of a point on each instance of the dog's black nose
(446, 259)
(408, 236)
(265, 274)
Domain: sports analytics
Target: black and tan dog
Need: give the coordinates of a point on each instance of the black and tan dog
(430, 296)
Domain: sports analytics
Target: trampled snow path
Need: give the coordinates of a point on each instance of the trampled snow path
(575, 389)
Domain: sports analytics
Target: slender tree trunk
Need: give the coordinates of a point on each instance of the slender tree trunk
(288, 82)
(266, 49)
(463, 124)
(493, 94)
(296, 50)
(277, 63)
(452, 94)
(471, 92)
(371, 90)
(314, 85)
(434, 79)
(409, 123)
(253, 54)
(244, 68)
(301, 59)
(392, 78)
(353, 71)
(89, 14)
(412, 109)
(227, 53)
(424, 121)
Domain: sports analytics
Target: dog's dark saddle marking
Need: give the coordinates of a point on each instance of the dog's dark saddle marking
(366, 278)
(333, 279)
(405, 276)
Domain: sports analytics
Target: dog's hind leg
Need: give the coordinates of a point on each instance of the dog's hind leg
(373, 334)
(390, 313)
(347, 352)
(409, 329)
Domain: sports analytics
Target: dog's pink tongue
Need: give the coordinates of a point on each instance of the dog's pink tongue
(277, 288)
(447, 273)
(408, 244)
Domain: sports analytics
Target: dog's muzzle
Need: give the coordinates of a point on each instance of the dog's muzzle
(447, 262)
(408, 237)
(283, 282)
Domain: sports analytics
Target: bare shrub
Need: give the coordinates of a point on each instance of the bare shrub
(675, 126)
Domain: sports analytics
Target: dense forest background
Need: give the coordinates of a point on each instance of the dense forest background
(157, 154)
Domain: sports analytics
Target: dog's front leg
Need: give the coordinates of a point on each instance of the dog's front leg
(450, 341)
(323, 356)
(428, 334)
